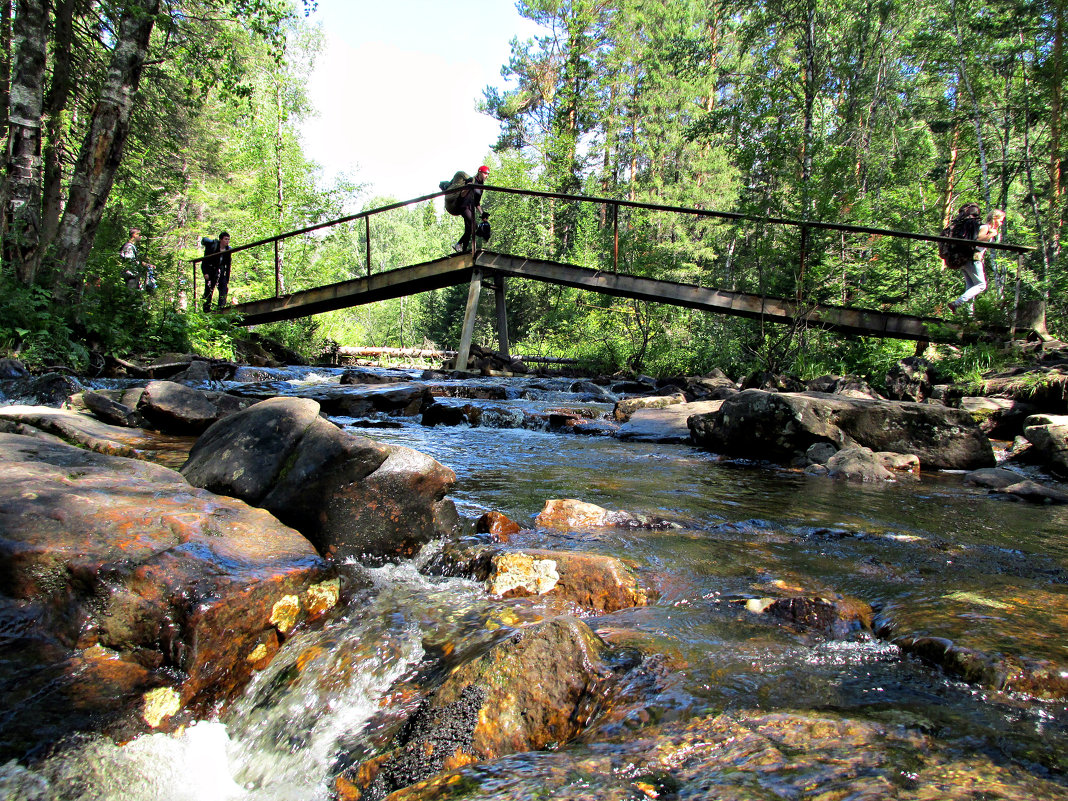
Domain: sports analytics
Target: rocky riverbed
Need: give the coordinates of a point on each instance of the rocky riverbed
(174, 547)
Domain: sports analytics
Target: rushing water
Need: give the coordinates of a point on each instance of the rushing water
(935, 557)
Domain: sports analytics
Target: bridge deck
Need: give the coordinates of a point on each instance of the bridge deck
(453, 270)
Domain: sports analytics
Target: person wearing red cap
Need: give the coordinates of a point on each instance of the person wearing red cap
(471, 210)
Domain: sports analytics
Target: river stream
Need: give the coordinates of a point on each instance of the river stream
(935, 557)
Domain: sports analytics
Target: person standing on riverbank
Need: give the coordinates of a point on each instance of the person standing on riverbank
(216, 268)
(974, 274)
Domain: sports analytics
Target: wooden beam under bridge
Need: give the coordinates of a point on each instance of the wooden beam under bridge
(864, 322)
(458, 269)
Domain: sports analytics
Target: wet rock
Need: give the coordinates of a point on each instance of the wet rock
(123, 555)
(497, 524)
(839, 617)
(863, 464)
(592, 392)
(1036, 678)
(440, 414)
(1048, 435)
(669, 424)
(714, 386)
(591, 582)
(1034, 492)
(108, 410)
(361, 376)
(351, 496)
(625, 408)
(911, 380)
(50, 389)
(72, 428)
(779, 426)
(749, 755)
(12, 368)
(998, 418)
(992, 478)
(534, 688)
(176, 408)
(570, 513)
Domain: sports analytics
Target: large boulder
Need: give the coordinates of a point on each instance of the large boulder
(780, 426)
(1048, 435)
(351, 496)
(178, 409)
(125, 574)
(536, 687)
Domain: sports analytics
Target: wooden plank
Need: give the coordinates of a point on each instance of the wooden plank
(470, 315)
(448, 271)
(866, 322)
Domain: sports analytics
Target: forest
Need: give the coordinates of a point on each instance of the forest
(181, 118)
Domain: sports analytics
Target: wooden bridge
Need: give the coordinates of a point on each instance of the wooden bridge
(494, 269)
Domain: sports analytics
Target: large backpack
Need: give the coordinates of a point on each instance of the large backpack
(964, 226)
(452, 202)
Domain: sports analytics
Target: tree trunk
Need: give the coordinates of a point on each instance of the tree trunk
(5, 64)
(1056, 109)
(977, 119)
(22, 179)
(101, 151)
(56, 122)
(279, 280)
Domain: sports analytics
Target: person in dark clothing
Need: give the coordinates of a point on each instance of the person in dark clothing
(471, 209)
(216, 268)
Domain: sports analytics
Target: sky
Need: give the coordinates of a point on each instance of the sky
(396, 90)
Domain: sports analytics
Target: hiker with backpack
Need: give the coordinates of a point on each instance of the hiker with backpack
(466, 203)
(216, 268)
(967, 257)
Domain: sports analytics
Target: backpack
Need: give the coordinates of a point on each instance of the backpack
(964, 226)
(452, 202)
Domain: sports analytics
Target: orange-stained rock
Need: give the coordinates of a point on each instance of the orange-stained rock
(593, 582)
(570, 513)
(498, 524)
(125, 555)
(536, 687)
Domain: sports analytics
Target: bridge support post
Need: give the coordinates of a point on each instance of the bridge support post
(502, 316)
(470, 315)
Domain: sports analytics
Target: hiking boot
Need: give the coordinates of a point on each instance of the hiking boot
(954, 305)
(457, 248)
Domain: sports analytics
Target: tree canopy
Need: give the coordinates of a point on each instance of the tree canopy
(182, 119)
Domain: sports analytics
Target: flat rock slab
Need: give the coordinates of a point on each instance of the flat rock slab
(668, 424)
(88, 432)
(125, 556)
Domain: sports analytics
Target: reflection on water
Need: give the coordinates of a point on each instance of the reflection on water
(936, 557)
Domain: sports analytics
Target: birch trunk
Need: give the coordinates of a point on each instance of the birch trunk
(22, 178)
(101, 151)
(55, 114)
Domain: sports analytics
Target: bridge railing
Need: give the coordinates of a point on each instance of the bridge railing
(612, 206)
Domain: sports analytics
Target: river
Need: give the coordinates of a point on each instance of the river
(931, 557)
